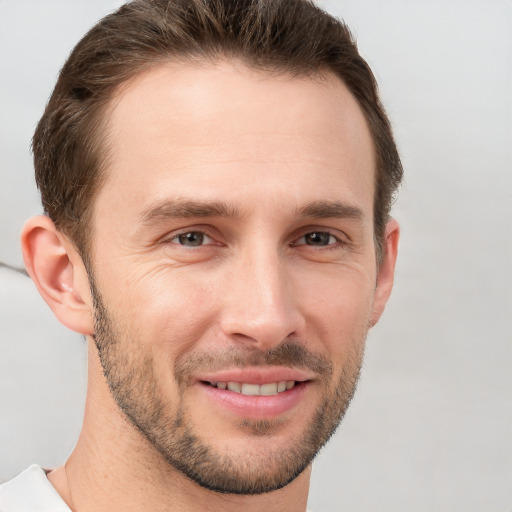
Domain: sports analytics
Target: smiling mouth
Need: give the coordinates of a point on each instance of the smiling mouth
(246, 388)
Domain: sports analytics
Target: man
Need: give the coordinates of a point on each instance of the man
(217, 179)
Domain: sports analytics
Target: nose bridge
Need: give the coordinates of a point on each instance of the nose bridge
(260, 304)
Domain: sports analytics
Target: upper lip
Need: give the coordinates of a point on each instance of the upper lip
(257, 375)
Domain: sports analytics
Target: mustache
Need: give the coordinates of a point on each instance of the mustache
(289, 354)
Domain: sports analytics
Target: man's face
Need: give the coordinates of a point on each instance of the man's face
(233, 267)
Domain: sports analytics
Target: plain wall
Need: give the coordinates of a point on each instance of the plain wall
(430, 427)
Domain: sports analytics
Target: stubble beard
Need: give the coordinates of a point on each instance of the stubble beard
(170, 431)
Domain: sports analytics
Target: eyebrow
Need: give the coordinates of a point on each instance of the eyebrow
(179, 209)
(331, 209)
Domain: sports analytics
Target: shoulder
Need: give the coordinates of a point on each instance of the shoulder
(30, 491)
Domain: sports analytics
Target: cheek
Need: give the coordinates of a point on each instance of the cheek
(339, 304)
(168, 311)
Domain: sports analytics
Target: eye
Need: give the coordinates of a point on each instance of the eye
(317, 239)
(192, 239)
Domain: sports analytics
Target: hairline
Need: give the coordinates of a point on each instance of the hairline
(102, 110)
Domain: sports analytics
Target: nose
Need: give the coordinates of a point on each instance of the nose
(260, 303)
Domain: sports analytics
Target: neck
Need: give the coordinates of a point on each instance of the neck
(114, 468)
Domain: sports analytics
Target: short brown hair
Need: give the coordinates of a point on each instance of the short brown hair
(290, 36)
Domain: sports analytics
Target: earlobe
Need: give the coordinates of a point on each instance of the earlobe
(386, 270)
(58, 273)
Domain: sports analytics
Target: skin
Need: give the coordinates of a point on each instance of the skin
(274, 150)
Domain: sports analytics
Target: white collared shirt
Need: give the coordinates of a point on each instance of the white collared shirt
(31, 491)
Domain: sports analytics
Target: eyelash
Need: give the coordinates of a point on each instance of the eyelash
(195, 231)
(338, 242)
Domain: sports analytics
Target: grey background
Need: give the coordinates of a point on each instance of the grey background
(430, 428)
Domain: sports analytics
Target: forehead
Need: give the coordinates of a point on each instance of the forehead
(205, 126)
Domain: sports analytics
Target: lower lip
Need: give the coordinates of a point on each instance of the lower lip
(256, 407)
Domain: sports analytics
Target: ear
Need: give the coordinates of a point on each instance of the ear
(58, 272)
(386, 270)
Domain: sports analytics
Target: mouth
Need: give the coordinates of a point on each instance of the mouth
(251, 389)
(258, 393)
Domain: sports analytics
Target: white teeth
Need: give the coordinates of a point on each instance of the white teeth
(235, 386)
(269, 389)
(250, 389)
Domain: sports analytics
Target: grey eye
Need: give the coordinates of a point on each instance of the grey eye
(191, 239)
(317, 238)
